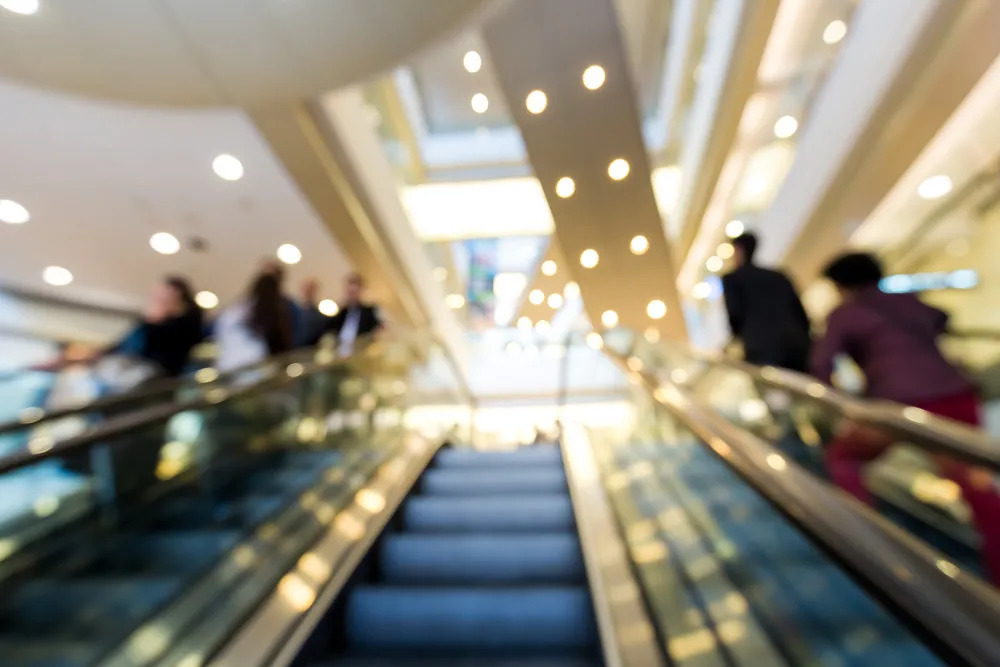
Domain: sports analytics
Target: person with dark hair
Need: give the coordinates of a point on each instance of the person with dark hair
(893, 339)
(355, 319)
(765, 312)
(256, 328)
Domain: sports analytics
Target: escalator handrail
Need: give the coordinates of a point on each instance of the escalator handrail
(916, 426)
(157, 387)
(955, 611)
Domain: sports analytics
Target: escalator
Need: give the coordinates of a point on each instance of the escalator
(483, 567)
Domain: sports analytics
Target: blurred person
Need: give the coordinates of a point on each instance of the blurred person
(307, 321)
(256, 328)
(893, 340)
(355, 319)
(765, 312)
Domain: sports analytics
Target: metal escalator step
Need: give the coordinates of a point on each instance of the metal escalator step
(529, 618)
(477, 482)
(524, 457)
(482, 559)
(537, 513)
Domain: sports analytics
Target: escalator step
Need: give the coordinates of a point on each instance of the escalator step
(481, 559)
(553, 512)
(478, 482)
(467, 458)
(531, 618)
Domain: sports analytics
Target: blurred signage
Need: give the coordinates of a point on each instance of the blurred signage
(482, 272)
(963, 279)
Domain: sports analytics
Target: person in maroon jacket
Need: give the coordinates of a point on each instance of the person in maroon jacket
(893, 339)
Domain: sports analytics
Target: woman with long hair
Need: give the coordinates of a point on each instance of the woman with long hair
(256, 328)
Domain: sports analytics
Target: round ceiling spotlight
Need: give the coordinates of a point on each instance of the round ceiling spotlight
(618, 169)
(571, 291)
(734, 228)
(652, 335)
(935, 187)
(164, 243)
(473, 62)
(785, 127)
(714, 264)
(328, 307)
(227, 167)
(542, 326)
(536, 101)
(656, 309)
(25, 7)
(594, 77)
(454, 301)
(289, 254)
(207, 300)
(57, 276)
(609, 318)
(565, 187)
(834, 31)
(524, 323)
(13, 213)
(725, 250)
(537, 297)
(549, 267)
(555, 301)
(701, 291)
(480, 103)
(639, 245)
(594, 340)
(589, 258)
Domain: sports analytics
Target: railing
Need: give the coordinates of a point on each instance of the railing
(955, 613)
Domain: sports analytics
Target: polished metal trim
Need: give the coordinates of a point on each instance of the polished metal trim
(627, 635)
(282, 624)
(956, 613)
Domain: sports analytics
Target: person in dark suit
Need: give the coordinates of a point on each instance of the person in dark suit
(355, 319)
(765, 312)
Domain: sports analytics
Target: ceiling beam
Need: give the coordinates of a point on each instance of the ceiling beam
(547, 46)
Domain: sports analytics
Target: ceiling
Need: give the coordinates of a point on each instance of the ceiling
(218, 53)
(100, 179)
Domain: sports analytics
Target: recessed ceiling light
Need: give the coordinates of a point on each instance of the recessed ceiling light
(480, 103)
(536, 297)
(609, 318)
(593, 77)
(542, 326)
(454, 301)
(594, 340)
(714, 264)
(834, 31)
(328, 307)
(57, 276)
(227, 168)
(440, 274)
(935, 187)
(473, 62)
(565, 187)
(571, 291)
(513, 347)
(164, 243)
(13, 213)
(536, 101)
(26, 7)
(701, 291)
(549, 267)
(289, 254)
(555, 301)
(639, 245)
(785, 127)
(656, 309)
(653, 335)
(508, 285)
(634, 364)
(725, 250)
(734, 228)
(524, 323)
(618, 169)
(207, 300)
(589, 258)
